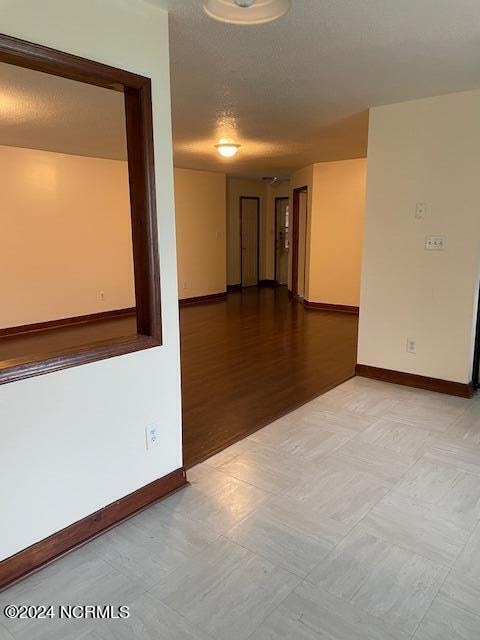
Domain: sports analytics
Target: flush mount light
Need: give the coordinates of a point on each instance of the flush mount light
(246, 11)
(227, 149)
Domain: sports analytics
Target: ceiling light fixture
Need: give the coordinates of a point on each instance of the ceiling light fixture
(227, 149)
(246, 11)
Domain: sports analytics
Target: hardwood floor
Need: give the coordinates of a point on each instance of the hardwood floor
(253, 358)
(37, 345)
(245, 361)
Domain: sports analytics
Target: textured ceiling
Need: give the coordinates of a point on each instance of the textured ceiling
(39, 111)
(297, 90)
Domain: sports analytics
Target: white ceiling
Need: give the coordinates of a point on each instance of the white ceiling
(40, 111)
(297, 90)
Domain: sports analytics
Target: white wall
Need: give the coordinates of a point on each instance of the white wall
(66, 236)
(422, 151)
(201, 219)
(73, 441)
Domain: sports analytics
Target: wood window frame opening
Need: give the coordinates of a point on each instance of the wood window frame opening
(141, 170)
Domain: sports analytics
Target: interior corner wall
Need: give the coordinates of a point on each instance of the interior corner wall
(336, 232)
(237, 187)
(201, 219)
(73, 441)
(424, 151)
(66, 240)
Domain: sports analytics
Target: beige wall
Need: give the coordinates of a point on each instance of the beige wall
(422, 151)
(267, 193)
(73, 441)
(336, 232)
(200, 214)
(237, 187)
(66, 236)
(335, 220)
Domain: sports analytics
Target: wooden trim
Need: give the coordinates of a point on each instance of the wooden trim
(211, 297)
(295, 236)
(66, 322)
(413, 380)
(139, 129)
(241, 236)
(29, 55)
(275, 248)
(141, 171)
(326, 306)
(23, 368)
(476, 350)
(267, 283)
(234, 287)
(41, 553)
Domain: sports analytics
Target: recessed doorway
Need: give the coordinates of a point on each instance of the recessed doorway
(299, 241)
(281, 240)
(249, 237)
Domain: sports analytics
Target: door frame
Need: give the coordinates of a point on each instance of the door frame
(476, 351)
(277, 199)
(242, 198)
(295, 235)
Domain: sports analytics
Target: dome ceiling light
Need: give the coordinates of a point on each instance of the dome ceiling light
(246, 11)
(227, 149)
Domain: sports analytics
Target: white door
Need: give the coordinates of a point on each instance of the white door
(282, 239)
(249, 215)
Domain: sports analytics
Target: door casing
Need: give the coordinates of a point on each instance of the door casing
(296, 235)
(257, 199)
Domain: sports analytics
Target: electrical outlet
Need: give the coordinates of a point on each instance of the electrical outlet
(152, 435)
(411, 346)
(102, 295)
(184, 284)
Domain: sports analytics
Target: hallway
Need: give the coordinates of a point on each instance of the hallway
(252, 358)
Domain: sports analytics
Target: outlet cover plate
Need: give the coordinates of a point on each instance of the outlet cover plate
(435, 243)
(152, 436)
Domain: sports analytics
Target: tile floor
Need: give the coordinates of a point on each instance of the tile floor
(356, 517)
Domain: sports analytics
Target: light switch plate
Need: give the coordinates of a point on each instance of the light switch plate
(435, 243)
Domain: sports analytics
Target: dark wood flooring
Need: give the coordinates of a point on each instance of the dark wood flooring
(245, 361)
(251, 359)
